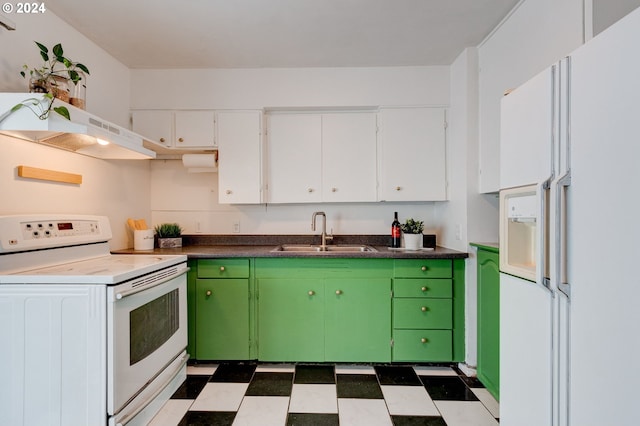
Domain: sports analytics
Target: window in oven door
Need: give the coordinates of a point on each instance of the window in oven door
(147, 330)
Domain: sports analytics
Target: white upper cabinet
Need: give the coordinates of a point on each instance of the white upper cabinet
(177, 130)
(195, 129)
(349, 157)
(157, 125)
(294, 157)
(412, 161)
(239, 136)
(322, 157)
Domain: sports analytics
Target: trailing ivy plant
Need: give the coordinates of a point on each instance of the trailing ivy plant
(43, 80)
(40, 107)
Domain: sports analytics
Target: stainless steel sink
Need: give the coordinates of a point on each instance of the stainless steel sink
(318, 249)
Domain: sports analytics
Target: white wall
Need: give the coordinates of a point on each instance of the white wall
(117, 189)
(300, 87)
(191, 200)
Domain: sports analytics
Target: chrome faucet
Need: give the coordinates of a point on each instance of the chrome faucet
(325, 237)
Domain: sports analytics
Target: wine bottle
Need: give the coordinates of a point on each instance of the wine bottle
(396, 235)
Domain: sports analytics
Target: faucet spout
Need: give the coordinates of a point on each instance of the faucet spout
(325, 237)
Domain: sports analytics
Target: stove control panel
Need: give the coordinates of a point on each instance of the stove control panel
(20, 233)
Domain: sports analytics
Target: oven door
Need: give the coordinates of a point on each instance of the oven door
(147, 333)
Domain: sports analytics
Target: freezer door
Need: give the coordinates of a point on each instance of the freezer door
(527, 132)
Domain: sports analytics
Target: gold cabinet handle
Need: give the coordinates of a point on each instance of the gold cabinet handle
(208, 293)
(424, 288)
(423, 340)
(310, 190)
(334, 189)
(338, 292)
(222, 269)
(311, 292)
(423, 309)
(424, 268)
(162, 140)
(180, 140)
(228, 192)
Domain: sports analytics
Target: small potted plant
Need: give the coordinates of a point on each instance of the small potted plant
(169, 235)
(412, 231)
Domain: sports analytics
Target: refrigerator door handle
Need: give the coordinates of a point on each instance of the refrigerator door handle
(543, 234)
(562, 282)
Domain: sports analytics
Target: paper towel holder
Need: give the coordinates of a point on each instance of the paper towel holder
(201, 163)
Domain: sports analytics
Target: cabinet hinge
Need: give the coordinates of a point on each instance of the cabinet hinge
(392, 294)
(391, 342)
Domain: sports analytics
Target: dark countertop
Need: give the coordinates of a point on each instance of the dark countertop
(494, 247)
(220, 246)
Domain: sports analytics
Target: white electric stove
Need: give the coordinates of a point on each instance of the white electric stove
(88, 338)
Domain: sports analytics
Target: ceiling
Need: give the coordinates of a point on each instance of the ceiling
(283, 33)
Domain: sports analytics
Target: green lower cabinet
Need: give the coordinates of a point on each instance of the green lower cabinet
(422, 345)
(428, 310)
(291, 320)
(489, 319)
(422, 313)
(358, 320)
(222, 317)
(324, 310)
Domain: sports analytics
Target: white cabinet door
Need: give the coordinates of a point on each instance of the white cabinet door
(195, 129)
(412, 164)
(349, 157)
(294, 158)
(154, 124)
(239, 135)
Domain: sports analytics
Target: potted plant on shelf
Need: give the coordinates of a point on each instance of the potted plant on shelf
(412, 231)
(169, 235)
(58, 77)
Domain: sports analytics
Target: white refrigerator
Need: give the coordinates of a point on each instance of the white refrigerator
(570, 201)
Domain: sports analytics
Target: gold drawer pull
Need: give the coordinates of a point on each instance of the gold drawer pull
(311, 293)
(423, 309)
(338, 292)
(423, 340)
(424, 288)
(208, 293)
(424, 268)
(222, 269)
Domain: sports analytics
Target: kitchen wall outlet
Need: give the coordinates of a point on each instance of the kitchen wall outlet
(236, 227)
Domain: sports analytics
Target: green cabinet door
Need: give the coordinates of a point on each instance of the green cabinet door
(489, 320)
(291, 319)
(222, 319)
(358, 320)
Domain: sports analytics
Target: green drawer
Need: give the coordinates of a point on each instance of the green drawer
(422, 287)
(422, 345)
(422, 313)
(223, 268)
(423, 268)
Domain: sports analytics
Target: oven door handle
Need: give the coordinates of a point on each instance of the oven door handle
(129, 416)
(122, 294)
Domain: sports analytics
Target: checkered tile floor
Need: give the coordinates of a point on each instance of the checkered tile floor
(326, 394)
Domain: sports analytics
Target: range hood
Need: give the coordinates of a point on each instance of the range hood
(84, 133)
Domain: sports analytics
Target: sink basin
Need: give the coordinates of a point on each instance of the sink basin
(318, 249)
